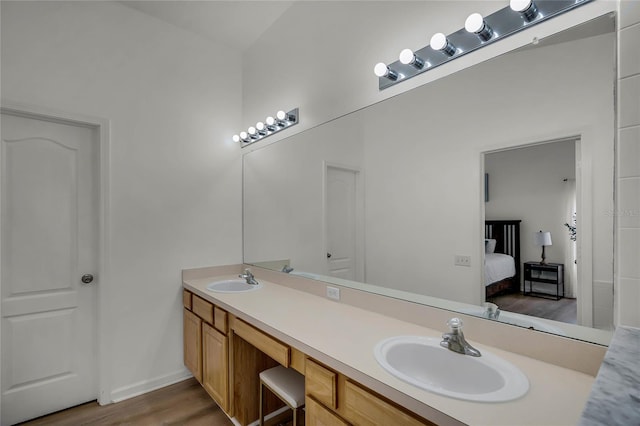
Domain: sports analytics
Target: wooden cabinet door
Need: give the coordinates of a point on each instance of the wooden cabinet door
(192, 332)
(215, 365)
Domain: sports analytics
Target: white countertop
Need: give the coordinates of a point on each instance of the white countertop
(343, 337)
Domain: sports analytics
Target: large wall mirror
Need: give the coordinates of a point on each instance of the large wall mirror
(394, 198)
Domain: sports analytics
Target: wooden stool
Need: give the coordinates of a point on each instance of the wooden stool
(288, 385)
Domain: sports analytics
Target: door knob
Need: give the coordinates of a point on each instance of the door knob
(87, 278)
(328, 255)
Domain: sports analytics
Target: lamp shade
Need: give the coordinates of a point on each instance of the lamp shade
(542, 238)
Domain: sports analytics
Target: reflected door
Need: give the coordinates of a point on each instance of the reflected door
(340, 213)
(49, 238)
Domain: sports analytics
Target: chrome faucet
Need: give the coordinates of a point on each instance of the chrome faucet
(491, 310)
(286, 269)
(248, 276)
(455, 341)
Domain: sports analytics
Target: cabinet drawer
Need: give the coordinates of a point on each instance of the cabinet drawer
(186, 299)
(263, 342)
(320, 383)
(297, 360)
(365, 408)
(202, 308)
(317, 415)
(220, 320)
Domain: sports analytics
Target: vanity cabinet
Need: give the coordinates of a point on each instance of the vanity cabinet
(226, 355)
(337, 400)
(206, 347)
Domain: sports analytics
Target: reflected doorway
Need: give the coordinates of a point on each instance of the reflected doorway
(538, 184)
(342, 216)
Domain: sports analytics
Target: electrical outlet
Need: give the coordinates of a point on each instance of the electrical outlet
(461, 260)
(333, 293)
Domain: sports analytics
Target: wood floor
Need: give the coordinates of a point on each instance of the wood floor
(563, 310)
(184, 403)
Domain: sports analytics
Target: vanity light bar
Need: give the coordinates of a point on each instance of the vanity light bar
(271, 126)
(478, 32)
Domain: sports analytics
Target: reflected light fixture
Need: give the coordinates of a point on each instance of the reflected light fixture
(527, 8)
(475, 24)
(267, 128)
(478, 31)
(440, 42)
(270, 123)
(261, 128)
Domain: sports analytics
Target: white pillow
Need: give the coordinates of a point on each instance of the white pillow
(489, 245)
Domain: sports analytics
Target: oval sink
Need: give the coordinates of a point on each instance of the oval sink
(422, 362)
(232, 286)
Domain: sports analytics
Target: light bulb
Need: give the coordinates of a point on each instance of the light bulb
(527, 8)
(260, 128)
(475, 24)
(281, 115)
(440, 42)
(382, 70)
(244, 136)
(520, 5)
(252, 130)
(270, 121)
(236, 138)
(407, 57)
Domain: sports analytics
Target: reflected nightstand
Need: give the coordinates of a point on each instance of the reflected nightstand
(549, 274)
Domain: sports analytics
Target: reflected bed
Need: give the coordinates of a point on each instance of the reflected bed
(502, 257)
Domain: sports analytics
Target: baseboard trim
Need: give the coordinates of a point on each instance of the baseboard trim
(145, 386)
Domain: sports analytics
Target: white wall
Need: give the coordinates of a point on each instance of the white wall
(528, 184)
(171, 98)
(628, 183)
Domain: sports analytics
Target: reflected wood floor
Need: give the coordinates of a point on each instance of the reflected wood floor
(184, 403)
(563, 310)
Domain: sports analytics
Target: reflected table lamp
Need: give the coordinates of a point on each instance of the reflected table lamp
(543, 239)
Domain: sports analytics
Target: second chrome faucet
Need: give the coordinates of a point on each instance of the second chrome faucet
(248, 276)
(454, 340)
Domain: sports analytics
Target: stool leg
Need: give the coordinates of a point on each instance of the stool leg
(298, 417)
(261, 405)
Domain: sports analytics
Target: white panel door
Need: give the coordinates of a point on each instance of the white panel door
(340, 212)
(49, 241)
